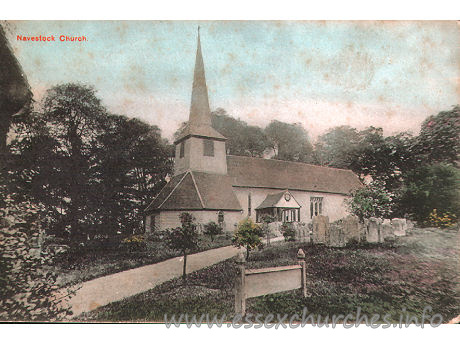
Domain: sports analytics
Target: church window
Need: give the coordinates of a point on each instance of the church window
(249, 204)
(208, 147)
(181, 150)
(316, 206)
(220, 217)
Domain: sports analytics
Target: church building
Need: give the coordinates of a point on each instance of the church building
(214, 186)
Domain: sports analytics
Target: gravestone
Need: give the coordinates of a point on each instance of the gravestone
(362, 228)
(373, 234)
(387, 230)
(399, 226)
(336, 236)
(351, 229)
(320, 229)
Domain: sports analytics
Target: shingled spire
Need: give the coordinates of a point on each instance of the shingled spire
(200, 114)
(199, 123)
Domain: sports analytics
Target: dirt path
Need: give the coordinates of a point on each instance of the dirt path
(104, 290)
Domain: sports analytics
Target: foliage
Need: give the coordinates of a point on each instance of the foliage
(439, 139)
(27, 286)
(132, 165)
(373, 200)
(183, 239)
(445, 220)
(134, 243)
(430, 187)
(338, 147)
(266, 229)
(247, 235)
(94, 172)
(212, 229)
(288, 231)
(290, 142)
(242, 139)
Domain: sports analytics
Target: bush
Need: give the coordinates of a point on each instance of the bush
(288, 231)
(445, 221)
(212, 229)
(374, 200)
(27, 287)
(134, 243)
(430, 187)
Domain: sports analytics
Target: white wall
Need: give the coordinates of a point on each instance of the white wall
(333, 204)
(170, 219)
(195, 160)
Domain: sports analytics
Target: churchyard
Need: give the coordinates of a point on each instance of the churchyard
(102, 258)
(412, 272)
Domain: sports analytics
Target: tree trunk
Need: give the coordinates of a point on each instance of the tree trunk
(247, 253)
(184, 272)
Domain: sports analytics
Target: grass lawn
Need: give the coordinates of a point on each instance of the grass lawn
(105, 258)
(415, 271)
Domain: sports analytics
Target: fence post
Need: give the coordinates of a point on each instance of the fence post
(303, 264)
(240, 294)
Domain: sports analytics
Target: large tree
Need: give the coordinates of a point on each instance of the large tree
(439, 139)
(289, 142)
(337, 148)
(429, 187)
(242, 139)
(56, 154)
(133, 161)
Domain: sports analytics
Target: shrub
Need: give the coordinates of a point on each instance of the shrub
(247, 235)
(445, 221)
(134, 243)
(212, 229)
(430, 187)
(374, 200)
(288, 231)
(27, 287)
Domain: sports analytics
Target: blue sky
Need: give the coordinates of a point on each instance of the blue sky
(321, 74)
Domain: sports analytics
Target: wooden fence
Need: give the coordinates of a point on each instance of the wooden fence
(264, 281)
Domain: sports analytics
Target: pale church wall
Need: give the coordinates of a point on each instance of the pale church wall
(195, 160)
(170, 219)
(333, 204)
(182, 164)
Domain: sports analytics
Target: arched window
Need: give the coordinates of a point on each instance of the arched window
(220, 217)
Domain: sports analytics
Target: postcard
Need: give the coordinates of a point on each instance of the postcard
(256, 173)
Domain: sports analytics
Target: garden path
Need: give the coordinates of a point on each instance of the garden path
(114, 287)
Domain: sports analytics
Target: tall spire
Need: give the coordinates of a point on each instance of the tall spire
(199, 123)
(200, 113)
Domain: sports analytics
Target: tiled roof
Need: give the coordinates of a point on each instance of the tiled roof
(196, 191)
(271, 173)
(199, 190)
(216, 191)
(270, 200)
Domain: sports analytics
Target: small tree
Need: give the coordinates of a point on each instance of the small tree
(266, 229)
(212, 229)
(248, 235)
(374, 200)
(183, 239)
(288, 231)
